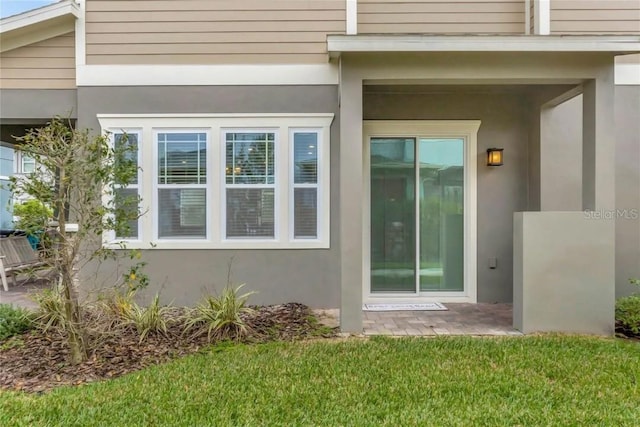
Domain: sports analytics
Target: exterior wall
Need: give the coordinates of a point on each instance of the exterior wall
(564, 184)
(595, 17)
(563, 262)
(211, 32)
(309, 276)
(48, 64)
(23, 106)
(501, 191)
(429, 16)
(627, 112)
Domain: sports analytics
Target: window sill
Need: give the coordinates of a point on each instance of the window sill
(207, 245)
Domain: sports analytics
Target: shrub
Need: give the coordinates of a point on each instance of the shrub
(51, 312)
(147, 320)
(13, 321)
(221, 317)
(628, 313)
(33, 216)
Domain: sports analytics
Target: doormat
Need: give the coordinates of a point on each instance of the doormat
(429, 306)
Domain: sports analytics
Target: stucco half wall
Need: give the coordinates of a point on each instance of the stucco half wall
(309, 276)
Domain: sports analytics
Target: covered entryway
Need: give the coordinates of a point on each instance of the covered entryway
(543, 261)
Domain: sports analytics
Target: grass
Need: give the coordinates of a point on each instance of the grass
(444, 381)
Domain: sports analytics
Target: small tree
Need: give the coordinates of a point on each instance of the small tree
(78, 175)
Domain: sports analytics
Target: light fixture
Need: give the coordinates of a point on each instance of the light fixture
(494, 156)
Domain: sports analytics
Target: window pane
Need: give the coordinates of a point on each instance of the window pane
(182, 158)
(182, 213)
(305, 157)
(127, 199)
(131, 155)
(250, 212)
(250, 158)
(305, 205)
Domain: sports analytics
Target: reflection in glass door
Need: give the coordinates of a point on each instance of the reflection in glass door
(417, 215)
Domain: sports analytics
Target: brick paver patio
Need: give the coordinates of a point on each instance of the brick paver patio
(459, 319)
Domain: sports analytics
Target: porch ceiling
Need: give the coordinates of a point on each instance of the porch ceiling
(377, 43)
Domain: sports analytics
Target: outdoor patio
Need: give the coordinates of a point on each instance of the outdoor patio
(459, 319)
(19, 296)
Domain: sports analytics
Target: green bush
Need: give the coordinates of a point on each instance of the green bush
(628, 313)
(628, 310)
(33, 216)
(221, 317)
(13, 321)
(147, 320)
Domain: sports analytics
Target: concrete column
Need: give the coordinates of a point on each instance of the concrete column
(598, 143)
(351, 200)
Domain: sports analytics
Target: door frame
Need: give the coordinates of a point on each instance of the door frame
(464, 129)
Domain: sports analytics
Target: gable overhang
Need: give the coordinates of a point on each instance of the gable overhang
(38, 24)
(338, 45)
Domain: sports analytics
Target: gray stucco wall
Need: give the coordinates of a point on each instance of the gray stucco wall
(21, 104)
(627, 119)
(501, 190)
(562, 260)
(309, 276)
(562, 174)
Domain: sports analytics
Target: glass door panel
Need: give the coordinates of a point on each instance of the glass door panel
(393, 215)
(441, 207)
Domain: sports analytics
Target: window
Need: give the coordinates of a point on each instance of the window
(24, 163)
(128, 193)
(182, 180)
(230, 181)
(250, 184)
(28, 164)
(305, 184)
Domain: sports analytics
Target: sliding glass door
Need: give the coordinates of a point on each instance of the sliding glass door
(417, 215)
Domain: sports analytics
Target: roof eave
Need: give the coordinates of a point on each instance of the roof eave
(403, 43)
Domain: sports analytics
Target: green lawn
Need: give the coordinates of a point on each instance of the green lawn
(464, 381)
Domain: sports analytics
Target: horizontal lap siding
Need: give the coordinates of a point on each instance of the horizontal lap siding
(595, 17)
(211, 32)
(441, 17)
(49, 64)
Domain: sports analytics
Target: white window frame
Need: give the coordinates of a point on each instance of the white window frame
(214, 125)
(276, 191)
(111, 235)
(319, 185)
(157, 186)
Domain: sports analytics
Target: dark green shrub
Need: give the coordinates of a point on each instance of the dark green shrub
(628, 313)
(13, 321)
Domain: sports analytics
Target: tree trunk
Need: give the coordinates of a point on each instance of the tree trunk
(75, 330)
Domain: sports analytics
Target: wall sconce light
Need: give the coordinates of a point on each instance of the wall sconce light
(494, 156)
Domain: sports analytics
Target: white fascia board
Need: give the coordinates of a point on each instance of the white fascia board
(627, 74)
(40, 15)
(194, 75)
(337, 44)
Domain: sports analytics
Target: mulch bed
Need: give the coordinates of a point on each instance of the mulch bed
(37, 361)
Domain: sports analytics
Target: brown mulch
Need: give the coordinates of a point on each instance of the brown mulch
(37, 361)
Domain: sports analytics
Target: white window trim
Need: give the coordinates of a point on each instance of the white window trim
(157, 186)
(110, 238)
(320, 185)
(279, 146)
(214, 125)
